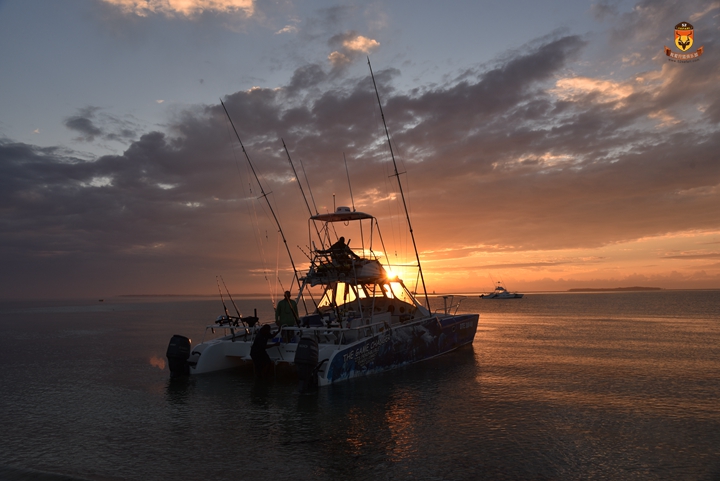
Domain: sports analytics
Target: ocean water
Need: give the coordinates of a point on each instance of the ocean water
(600, 386)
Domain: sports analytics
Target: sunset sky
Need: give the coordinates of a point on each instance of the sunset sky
(550, 145)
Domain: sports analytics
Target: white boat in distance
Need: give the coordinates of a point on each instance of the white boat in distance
(501, 293)
(364, 321)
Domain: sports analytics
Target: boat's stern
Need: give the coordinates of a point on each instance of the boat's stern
(178, 353)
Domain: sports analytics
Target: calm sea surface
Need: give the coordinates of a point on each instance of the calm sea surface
(611, 386)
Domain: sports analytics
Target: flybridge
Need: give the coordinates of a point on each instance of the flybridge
(342, 214)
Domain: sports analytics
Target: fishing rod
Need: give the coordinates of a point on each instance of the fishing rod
(312, 198)
(322, 244)
(302, 166)
(402, 194)
(352, 199)
(231, 299)
(262, 191)
(227, 314)
(246, 321)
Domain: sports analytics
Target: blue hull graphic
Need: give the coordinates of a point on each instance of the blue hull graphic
(404, 344)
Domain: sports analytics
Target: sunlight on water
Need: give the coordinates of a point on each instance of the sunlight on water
(157, 362)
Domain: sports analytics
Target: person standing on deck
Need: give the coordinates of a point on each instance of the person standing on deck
(258, 351)
(286, 312)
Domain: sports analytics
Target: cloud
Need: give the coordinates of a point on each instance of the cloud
(187, 8)
(351, 46)
(287, 29)
(91, 123)
(360, 44)
(338, 59)
(514, 265)
(602, 90)
(713, 255)
(84, 125)
(697, 16)
(512, 156)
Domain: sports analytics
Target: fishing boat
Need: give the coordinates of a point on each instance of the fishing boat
(501, 293)
(360, 317)
(365, 320)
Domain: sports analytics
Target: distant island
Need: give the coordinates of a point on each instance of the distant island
(615, 289)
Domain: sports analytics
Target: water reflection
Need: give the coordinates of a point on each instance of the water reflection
(558, 387)
(401, 418)
(157, 362)
(177, 390)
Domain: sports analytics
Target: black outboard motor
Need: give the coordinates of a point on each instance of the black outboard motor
(178, 352)
(306, 358)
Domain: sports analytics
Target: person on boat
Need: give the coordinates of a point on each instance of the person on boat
(286, 312)
(340, 253)
(258, 351)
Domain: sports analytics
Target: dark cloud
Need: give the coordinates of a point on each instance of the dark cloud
(90, 126)
(83, 123)
(85, 126)
(507, 157)
(306, 78)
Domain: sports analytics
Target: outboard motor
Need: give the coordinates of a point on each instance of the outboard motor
(178, 352)
(306, 359)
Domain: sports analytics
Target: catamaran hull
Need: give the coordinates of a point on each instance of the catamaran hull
(399, 346)
(219, 355)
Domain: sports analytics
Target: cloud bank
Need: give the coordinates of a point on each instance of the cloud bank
(518, 156)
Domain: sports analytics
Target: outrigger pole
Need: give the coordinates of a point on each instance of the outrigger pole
(262, 191)
(402, 194)
(302, 191)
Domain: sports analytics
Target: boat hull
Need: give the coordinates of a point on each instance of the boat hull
(219, 355)
(399, 346)
(502, 296)
(375, 350)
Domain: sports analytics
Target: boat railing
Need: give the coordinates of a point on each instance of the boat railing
(331, 335)
(235, 332)
(338, 335)
(450, 308)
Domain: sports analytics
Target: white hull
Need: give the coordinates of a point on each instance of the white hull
(501, 293)
(507, 295)
(344, 353)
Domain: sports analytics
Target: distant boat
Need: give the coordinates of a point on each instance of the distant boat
(501, 293)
